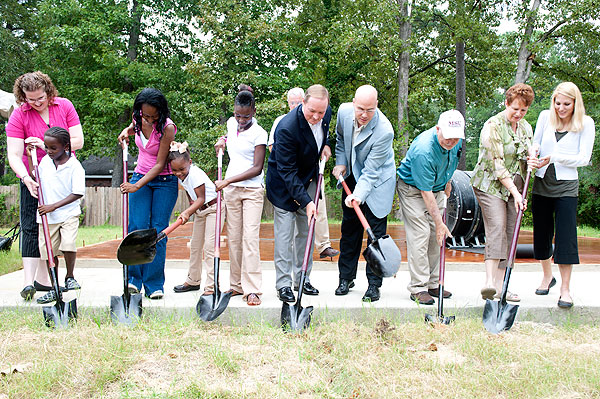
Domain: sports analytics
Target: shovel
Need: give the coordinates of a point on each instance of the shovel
(295, 318)
(209, 307)
(57, 315)
(125, 309)
(440, 319)
(500, 316)
(139, 246)
(382, 254)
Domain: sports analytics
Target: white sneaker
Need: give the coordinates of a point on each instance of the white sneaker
(158, 294)
(132, 289)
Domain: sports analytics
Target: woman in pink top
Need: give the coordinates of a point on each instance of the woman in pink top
(153, 187)
(39, 109)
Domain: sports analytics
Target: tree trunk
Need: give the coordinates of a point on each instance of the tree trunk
(134, 34)
(403, 70)
(524, 59)
(461, 95)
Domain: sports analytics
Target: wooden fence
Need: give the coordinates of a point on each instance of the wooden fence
(103, 205)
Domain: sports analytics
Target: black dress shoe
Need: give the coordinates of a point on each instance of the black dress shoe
(285, 294)
(541, 291)
(344, 287)
(186, 287)
(308, 289)
(372, 294)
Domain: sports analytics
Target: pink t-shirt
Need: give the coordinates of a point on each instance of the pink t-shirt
(147, 158)
(26, 122)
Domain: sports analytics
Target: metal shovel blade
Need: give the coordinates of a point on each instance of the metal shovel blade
(295, 318)
(123, 314)
(383, 256)
(211, 306)
(58, 315)
(138, 247)
(438, 319)
(498, 316)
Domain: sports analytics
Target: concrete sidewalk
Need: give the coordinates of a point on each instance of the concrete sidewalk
(102, 278)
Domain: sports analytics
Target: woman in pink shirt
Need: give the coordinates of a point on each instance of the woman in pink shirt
(153, 187)
(39, 109)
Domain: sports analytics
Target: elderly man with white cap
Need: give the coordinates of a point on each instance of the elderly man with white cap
(423, 187)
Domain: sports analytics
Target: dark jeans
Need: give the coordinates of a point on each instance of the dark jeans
(151, 207)
(352, 238)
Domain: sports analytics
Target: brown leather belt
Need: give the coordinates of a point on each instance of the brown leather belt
(209, 203)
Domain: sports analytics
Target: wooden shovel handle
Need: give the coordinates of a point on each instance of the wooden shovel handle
(356, 207)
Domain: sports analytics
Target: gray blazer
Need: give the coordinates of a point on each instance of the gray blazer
(372, 158)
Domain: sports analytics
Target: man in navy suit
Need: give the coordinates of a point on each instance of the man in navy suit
(300, 141)
(365, 157)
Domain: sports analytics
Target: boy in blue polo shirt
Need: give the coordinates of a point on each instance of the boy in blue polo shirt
(423, 187)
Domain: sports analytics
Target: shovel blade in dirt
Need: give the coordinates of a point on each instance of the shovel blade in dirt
(58, 315)
(295, 318)
(126, 311)
(498, 316)
(211, 306)
(138, 247)
(384, 256)
(434, 319)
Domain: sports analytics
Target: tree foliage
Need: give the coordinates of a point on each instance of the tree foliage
(101, 53)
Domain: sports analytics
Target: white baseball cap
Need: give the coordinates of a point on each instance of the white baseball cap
(452, 124)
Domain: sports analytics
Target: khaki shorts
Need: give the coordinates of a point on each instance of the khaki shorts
(62, 235)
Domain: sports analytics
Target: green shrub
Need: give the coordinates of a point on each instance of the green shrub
(8, 215)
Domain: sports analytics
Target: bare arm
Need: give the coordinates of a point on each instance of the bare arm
(43, 209)
(257, 166)
(161, 160)
(440, 227)
(76, 133)
(185, 215)
(15, 148)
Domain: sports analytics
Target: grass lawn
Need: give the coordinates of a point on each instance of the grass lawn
(173, 358)
(11, 260)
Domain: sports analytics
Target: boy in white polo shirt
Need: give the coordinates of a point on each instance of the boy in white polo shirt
(63, 184)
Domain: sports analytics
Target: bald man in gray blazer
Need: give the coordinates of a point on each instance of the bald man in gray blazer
(365, 157)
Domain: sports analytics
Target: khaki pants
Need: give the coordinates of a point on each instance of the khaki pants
(322, 241)
(202, 246)
(244, 210)
(423, 252)
(62, 235)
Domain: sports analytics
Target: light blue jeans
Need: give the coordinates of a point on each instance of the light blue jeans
(151, 207)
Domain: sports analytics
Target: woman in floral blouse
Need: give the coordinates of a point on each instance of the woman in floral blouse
(498, 180)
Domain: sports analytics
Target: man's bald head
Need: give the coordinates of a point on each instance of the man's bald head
(365, 104)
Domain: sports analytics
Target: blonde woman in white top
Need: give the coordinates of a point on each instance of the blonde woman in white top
(565, 138)
(243, 189)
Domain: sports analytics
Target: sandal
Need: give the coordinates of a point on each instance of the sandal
(253, 300)
(234, 292)
(510, 296)
(207, 292)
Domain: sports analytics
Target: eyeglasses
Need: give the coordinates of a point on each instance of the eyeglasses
(364, 111)
(37, 100)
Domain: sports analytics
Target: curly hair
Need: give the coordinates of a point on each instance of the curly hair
(34, 81)
(520, 91)
(245, 98)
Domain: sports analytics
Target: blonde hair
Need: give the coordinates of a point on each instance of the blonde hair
(568, 89)
(316, 91)
(34, 81)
